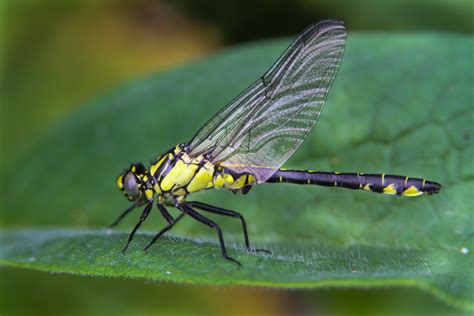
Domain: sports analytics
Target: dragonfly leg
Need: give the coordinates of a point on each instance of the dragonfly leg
(143, 217)
(122, 216)
(224, 212)
(171, 222)
(185, 208)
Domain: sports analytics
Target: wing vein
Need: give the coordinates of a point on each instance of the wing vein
(261, 128)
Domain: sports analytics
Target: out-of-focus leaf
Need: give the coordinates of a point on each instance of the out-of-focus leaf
(401, 104)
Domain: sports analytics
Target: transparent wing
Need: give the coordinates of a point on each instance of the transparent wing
(261, 128)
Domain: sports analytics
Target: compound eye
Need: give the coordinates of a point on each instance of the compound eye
(130, 185)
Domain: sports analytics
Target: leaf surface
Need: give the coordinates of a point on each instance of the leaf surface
(402, 104)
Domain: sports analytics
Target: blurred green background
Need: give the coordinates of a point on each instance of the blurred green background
(57, 55)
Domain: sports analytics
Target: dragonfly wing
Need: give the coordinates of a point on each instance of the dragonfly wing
(260, 129)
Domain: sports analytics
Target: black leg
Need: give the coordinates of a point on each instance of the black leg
(164, 212)
(143, 217)
(171, 223)
(188, 210)
(125, 213)
(221, 211)
(224, 212)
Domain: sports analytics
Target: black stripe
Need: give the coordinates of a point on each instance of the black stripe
(158, 175)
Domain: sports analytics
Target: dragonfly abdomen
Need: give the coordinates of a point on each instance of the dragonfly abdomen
(379, 183)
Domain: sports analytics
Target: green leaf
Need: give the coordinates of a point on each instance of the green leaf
(401, 104)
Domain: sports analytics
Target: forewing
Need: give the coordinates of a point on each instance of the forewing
(260, 129)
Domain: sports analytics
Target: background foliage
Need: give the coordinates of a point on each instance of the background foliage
(35, 98)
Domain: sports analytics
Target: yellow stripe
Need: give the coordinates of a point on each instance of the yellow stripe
(155, 166)
(383, 179)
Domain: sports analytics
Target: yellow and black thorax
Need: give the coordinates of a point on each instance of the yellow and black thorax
(176, 174)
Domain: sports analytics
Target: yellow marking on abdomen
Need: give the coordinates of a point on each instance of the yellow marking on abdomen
(390, 189)
(238, 183)
(250, 179)
(218, 181)
(242, 181)
(412, 191)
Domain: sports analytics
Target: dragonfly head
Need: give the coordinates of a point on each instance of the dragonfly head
(131, 181)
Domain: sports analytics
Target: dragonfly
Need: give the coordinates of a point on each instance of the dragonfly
(247, 142)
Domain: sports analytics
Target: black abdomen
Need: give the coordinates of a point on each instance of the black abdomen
(380, 183)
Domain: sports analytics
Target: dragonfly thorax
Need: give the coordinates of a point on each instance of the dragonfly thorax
(175, 174)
